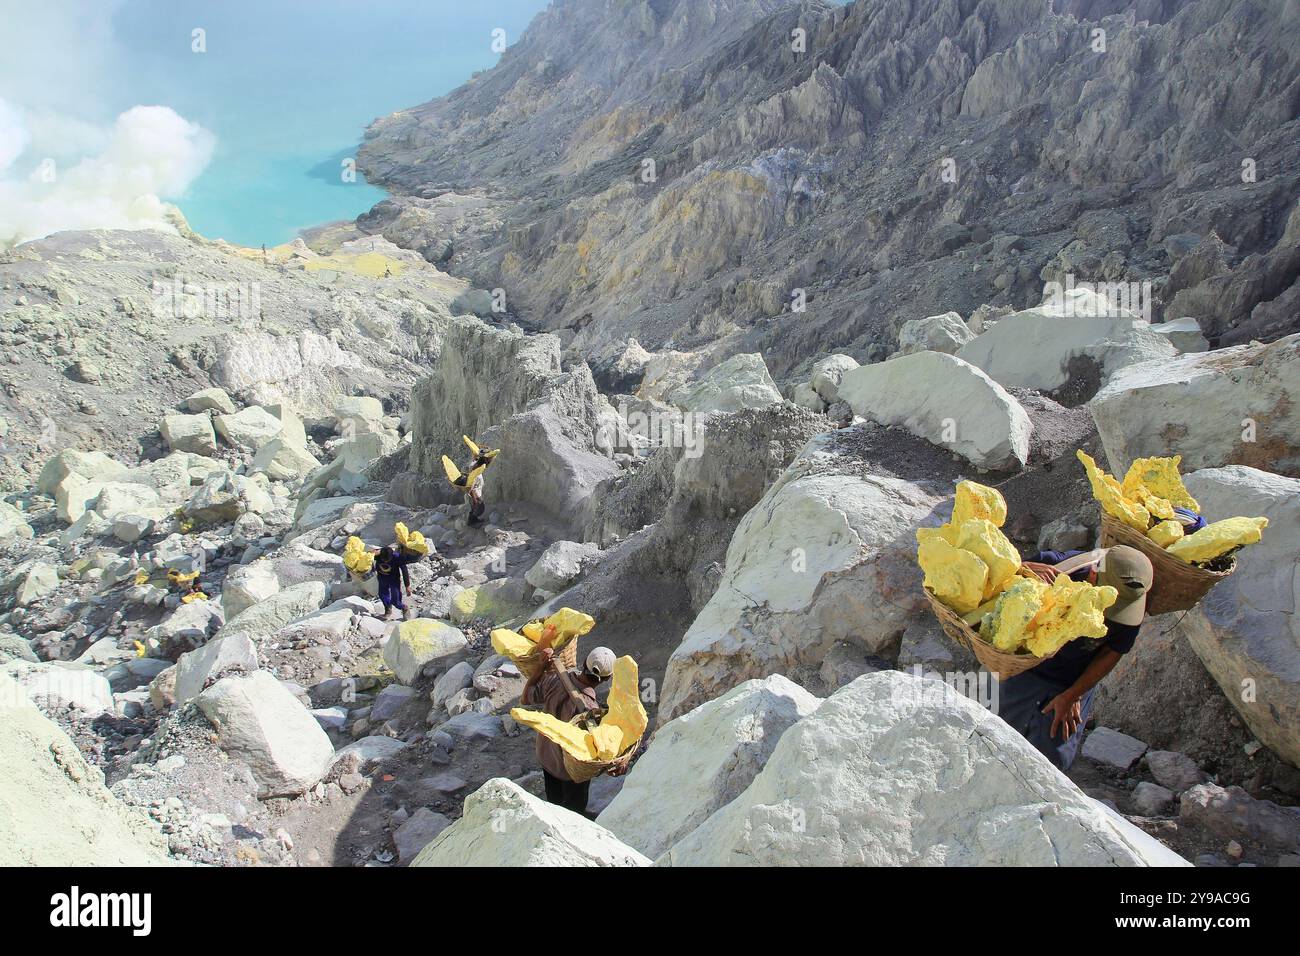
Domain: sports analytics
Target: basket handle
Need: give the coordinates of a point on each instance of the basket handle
(1070, 565)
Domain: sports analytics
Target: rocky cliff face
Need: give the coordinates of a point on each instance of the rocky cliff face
(679, 171)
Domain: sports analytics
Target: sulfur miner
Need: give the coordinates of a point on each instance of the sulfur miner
(1049, 704)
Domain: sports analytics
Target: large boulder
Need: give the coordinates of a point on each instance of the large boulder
(120, 498)
(1237, 406)
(57, 685)
(223, 497)
(703, 760)
(828, 554)
(826, 376)
(209, 400)
(412, 644)
(195, 669)
(33, 582)
(742, 381)
(263, 619)
(248, 584)
(281, 459)
(260, 721)
(250, 429)
(504, 825)
(560, 565)
(897, 770)
(1245, 630)
(188, 626)
(935, 333)
(192, 433)
(551, 454)
(1041, 350)
(84, 464)
(947, 402)
(13, 523)
(42, 772)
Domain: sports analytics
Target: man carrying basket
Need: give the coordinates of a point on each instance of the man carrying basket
(565, 696)
(1049, 703)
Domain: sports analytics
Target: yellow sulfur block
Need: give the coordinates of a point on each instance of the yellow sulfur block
(956, 577)
(355, 556)
(974, 500)
(1071, 609)
(625, 710)
(572, 738)
(1218, 538)
(511, 644)
(1017, 606)
(1110, 494)
(1160, 477)
(1166, 533)
(986, 541)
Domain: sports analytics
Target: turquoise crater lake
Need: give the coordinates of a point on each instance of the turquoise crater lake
(287, 87)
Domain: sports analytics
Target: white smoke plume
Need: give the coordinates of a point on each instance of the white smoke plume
(63, 164)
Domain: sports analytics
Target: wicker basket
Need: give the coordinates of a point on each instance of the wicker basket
(998, 662)
(580, 771)
(566, 657)
(1176, 585)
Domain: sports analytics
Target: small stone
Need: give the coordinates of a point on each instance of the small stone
(1233, 849)
(1112, 748)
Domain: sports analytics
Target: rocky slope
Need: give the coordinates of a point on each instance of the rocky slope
(755, 555)
(912, 156)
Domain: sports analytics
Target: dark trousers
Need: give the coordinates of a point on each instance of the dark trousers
(567, 794)
(1021, 700)
(390, 593)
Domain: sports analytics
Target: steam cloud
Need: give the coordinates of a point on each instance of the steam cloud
(60, 170)
(149, 153)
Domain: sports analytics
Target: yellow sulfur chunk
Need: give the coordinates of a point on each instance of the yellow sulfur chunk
(946, 532)
(1218, 538)
(511, 644)
(568, 625)
(569, 736)
(625, 710)
(1017, 606)
(956, 577)
(1160, 477)
(986, 541)
(974, 500)
(1158, 508)
(412, 541)
(355, 556)
(624, 722)
(1070, 609)
(1166, 533)
(1111, 496)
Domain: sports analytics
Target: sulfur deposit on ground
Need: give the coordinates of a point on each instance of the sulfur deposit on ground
(730, 488)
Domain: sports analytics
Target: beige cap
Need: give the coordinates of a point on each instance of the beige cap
(1129, 572)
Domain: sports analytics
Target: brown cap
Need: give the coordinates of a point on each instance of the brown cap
(1129, 572)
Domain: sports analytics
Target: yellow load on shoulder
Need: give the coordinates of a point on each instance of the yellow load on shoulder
(355, 556)
(1218, 538)
(968, 560)
(1110, 493)
(569, 624)
(1038, 618)
(412, 541)
(974, 500)
(488, 453)
(1166, 533)
(1160, 477)
(619, 730)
